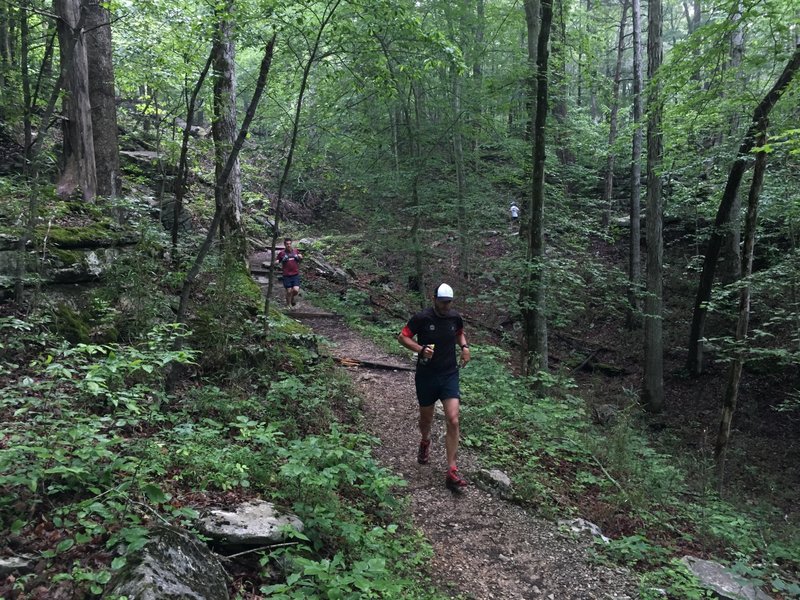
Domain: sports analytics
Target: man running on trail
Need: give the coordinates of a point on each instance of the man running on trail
(289, 259)
(438, 330)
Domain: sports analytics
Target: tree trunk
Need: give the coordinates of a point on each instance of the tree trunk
(593, 69)
(180, 183)
(224, 131)
(416, 205)
(608, 188)
(635, 256)
(693, 19)
(461, 186)
(330, 9)
(735, 373)
(694, 362)
(419, 266)
(79, 168)
(5, 54)
(565, 155)
(101, 95)
(653, 392)
(27, 103)
(477, 75)
(22, 254)
(732, 256)
(534, 289)
(533, 24)
(261, 83)
(46, 70)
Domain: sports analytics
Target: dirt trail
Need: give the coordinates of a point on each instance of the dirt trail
(484, 547)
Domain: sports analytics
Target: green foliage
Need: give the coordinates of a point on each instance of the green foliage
(510, 426)
(119, 450)
(547, 443)
(213, 455)
(231, 298)
(137, 288)
(673, 580)
(334, 578)
(635, 550)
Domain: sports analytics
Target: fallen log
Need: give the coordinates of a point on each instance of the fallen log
(304, 314)
(371, 364)
(326, 269)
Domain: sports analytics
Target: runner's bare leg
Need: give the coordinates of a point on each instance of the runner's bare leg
(425, 420)
(451, 410)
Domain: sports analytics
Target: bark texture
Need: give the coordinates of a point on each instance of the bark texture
(78, 169)
(635, 250)
(224, 131)
(534, 292)
(102, 98)
(533, 24)
(653, 391)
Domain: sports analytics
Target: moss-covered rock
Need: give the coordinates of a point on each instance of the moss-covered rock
(71, 325)
(97, 234)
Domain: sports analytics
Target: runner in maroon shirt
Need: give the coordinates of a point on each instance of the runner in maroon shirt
(289, 259)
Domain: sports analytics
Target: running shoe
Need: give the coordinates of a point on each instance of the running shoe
(454, 480)
(424, 452)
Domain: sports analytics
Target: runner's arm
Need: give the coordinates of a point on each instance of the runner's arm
(461, 340)
(406, 339)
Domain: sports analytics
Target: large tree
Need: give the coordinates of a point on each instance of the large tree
(635, 238)
(78, 160)
(534, 287)
(224, 129)
(102, 97)
(653, 389)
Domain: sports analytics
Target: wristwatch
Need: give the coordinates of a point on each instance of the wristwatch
(464, 346)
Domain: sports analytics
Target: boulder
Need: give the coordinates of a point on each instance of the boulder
(173, 565)
(329, 271)
(723, 581)
(604, 414)
(497, 481)
(16, 564)
(165, 212)
(256, 523)
(78, 266)
(584, 526)
(194, 130)
(8, 242)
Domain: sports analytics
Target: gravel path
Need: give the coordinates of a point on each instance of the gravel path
(484, 547)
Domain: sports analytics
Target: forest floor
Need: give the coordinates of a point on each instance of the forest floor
(483, 546)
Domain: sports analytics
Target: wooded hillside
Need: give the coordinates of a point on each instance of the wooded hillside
(151, 150)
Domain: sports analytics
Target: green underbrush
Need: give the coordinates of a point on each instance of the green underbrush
(95, 451)
(561, 465)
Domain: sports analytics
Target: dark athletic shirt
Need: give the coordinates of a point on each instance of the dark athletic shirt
(430, 328)
(290, 263)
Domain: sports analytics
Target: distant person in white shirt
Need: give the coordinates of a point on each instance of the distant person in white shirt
(514, 214)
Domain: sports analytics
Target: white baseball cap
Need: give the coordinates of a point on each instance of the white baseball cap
(444, 292)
